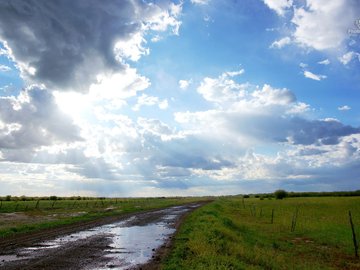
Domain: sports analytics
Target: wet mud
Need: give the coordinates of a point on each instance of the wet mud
(137, 241)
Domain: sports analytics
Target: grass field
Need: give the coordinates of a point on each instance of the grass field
(19, 216)
(232, 233)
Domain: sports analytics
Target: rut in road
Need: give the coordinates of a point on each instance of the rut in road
(126, 244)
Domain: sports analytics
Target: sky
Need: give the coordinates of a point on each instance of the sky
(193, 97)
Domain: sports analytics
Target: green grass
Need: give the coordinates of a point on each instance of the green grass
(226, 235)
(26, 216)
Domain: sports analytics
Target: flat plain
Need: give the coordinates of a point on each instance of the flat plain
(254, 233)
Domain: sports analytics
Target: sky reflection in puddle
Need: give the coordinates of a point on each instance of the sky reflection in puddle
(129, 245)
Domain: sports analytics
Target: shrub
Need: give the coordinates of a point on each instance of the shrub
(280, 194)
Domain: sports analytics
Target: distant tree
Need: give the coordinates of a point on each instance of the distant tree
(246, 196)
(280, 194)
(8, 198)
(53, 198)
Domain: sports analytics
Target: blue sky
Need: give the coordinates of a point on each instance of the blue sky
(199, 97)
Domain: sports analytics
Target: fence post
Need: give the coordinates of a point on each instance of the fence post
(356, 247)
(294, 219)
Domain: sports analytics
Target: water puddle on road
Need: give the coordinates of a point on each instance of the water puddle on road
(135, 245)
(129, 245)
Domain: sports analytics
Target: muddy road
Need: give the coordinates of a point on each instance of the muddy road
(137, 241)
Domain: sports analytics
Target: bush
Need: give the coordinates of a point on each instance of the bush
(280, 194)
(246, 196)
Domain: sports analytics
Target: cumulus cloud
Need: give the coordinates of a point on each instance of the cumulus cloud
(4, 68)
(184, 84)
(278, 44)
(324, 62)
(322, 24)
(222, 89)
(316, 77)
(250, 116)
(348, 57)
(279, 6)
(317, 24)
(205, 147)
(119, 86)
(344, 108)
(33, 119)
(66, 44)
(200, 2)
(145, 100)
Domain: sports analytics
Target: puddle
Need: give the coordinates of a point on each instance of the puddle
(129, 245)
(8, 258)
(135, 245)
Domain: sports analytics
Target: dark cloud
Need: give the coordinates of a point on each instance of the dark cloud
(296, 130)
(33, 119)
(327, 132)
(311, 152)
(69, 42)
(95, 168)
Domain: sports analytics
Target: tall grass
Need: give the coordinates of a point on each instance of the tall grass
(227, 235)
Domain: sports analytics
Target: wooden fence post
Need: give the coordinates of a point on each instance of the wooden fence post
(356, 247)
(294, 219)
(37, 204)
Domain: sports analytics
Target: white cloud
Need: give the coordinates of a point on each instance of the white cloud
(221, 89)
(156, 38)
(279, 6)
(344, 108)
(324, 62)
(271, 96)
(164, 104)
(184, 84)
(348, 57)
(233, 73)
(3, 51)
(145, 100)
(131, 49)
(278, 44)
(259, 115)
(119, 85)
(316, 77)
(323, 25)
(217, 145)
(4, 68)
(299, 108)
(200, 2)
(159, 19)
(303, 65)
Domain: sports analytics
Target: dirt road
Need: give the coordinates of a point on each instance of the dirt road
(136, 241)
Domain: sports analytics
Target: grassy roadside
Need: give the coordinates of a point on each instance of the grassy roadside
(24, 216)
(230, 233)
